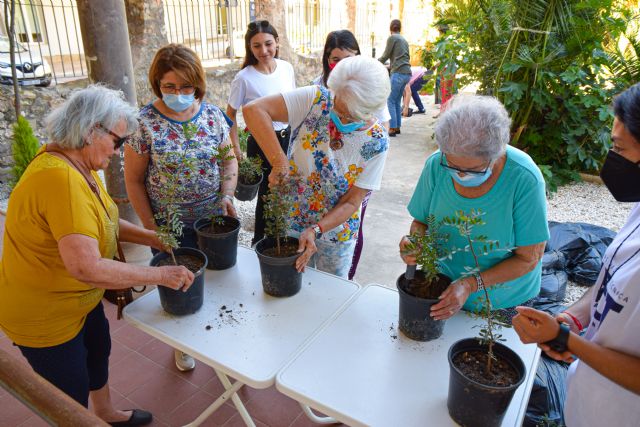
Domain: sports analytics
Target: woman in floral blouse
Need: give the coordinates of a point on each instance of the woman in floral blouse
(178, 80)
(337, 147)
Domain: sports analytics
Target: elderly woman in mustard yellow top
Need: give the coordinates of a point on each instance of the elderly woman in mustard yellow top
(60, 237)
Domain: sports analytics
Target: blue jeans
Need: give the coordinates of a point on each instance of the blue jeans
(415, 88)
(398, 83)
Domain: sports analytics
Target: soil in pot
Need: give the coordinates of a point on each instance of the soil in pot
(178, 302)
(219, 241)
(416, 296)
(472, 364)
(279, 275)
(475, 399)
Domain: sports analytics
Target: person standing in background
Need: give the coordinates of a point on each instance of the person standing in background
(262, 74)
(397, 52)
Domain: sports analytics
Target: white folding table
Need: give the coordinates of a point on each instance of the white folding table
(362, 371)
(240, 331)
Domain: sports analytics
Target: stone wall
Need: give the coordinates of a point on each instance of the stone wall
(37, 102)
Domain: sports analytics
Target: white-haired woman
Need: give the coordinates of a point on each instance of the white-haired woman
(476, 169)
(61, 235)
(338, 148)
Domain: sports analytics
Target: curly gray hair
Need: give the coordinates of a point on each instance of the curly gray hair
(70, 123)
(474, 126)
(362, 83)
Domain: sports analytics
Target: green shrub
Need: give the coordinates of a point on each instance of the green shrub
(24, 148)
(553, 65)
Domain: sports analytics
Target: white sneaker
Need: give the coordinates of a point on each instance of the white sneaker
(184, 362)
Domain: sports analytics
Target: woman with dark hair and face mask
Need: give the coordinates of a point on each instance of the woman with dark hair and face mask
(178, 80)
(603, 383)
(476, 169)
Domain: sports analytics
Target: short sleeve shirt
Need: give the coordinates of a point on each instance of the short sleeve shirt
(41, 304)
(165, 142)
(250, 84)
(328, 173)
(515, 214)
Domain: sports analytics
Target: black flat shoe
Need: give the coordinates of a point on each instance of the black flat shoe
(138, 418)
(419, 112)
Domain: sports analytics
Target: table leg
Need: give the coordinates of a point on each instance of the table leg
(236, 401)
(316, 419)
(230, 391)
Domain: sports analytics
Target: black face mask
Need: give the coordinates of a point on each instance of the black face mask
(622, 177)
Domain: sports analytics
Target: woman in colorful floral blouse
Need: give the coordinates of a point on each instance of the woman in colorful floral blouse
(178, 80)
(337, 147)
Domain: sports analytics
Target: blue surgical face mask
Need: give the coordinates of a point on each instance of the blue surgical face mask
(470, 180)
(178, 103)
(348, 128)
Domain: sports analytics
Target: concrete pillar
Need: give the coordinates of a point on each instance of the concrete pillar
(103, 24)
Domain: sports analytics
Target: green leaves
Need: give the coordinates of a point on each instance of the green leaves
(555, 65)
(278, 206)
(428, 248)
(24, 147)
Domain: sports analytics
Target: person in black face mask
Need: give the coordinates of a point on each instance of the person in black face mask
(603, 383)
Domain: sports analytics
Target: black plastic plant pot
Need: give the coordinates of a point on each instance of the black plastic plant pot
(245, 192)
(414, 316)
(279, 275)
(221, 248)
(473, 404)
(177, 302)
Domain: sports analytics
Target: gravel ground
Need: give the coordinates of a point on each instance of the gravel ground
(586, 202)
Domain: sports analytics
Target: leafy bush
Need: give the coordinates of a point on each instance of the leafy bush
(24, 148)
(551, 65)
(249, 170)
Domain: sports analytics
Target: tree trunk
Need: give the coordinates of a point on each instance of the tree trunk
(274, 12)
(103, 25)
(351, 15)
(10, 24)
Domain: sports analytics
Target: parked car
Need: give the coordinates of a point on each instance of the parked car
(31, 68)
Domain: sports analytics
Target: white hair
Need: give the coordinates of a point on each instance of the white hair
(474, 126)
(362, 83)
(70, 123)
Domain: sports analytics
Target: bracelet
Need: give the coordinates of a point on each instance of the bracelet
(228, 197)
(575, 320)
(479, 282)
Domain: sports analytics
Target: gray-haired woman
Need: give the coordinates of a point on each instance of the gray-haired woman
(476, 169)
(61, 235)
(338, 148)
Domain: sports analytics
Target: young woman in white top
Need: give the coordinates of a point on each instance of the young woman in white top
(262, 74)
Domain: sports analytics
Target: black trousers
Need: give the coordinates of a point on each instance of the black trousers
(254, 150)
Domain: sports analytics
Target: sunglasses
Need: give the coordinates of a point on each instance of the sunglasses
(118, 141)
(443, 163)
(258, 24)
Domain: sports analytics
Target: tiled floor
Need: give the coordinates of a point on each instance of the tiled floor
(143, 375)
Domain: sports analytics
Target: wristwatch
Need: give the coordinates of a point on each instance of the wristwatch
(559, 343)
(316, 229)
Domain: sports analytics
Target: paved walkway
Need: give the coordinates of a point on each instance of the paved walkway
(387, 219)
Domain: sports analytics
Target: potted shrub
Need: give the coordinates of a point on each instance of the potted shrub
(170, 229)
(420, 290)
(218, 234)
(484, 374)
(277, 252)
(249, 178)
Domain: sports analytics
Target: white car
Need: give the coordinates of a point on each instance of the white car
(31, 68)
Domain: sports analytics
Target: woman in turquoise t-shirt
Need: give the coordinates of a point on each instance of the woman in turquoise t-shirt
(476, 169)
